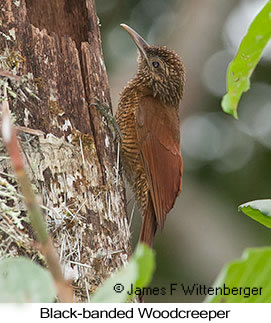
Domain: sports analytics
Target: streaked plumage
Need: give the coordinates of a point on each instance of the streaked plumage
(148, 117)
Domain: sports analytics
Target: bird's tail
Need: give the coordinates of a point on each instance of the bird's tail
(149, 225)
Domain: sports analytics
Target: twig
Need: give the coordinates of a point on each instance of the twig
(12, 144)
(9, 75)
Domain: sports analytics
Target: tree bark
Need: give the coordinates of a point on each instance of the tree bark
(70, 151)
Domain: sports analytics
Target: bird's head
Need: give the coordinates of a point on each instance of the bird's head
(160, 69)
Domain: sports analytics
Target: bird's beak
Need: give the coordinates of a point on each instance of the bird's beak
(141, 44)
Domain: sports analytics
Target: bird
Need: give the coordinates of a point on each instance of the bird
(148, 118)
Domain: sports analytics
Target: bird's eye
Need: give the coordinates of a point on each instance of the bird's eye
(155, 64)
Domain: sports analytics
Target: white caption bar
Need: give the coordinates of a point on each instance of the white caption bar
(160, 312)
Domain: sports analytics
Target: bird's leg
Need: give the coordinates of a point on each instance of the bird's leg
(105, 111)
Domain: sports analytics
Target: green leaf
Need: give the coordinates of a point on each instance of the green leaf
(138, 272)
(259, 210)
(251, 275)
(248, 55)
(22, 280)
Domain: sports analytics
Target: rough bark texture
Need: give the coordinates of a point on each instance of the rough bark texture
(72, 157)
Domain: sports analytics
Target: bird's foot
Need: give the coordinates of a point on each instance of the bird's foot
(105, 111)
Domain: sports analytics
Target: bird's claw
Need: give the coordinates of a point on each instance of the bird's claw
(105, 110)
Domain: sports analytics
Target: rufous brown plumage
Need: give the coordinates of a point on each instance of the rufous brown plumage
(148, 118)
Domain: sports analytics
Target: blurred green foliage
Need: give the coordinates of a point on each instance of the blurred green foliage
(137, 273)
(246, 280)
(252, 272)
(259, 210)
(249, 53)
(37, 284)
(23, 281)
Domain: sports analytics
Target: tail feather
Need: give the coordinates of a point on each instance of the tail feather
(149, 225)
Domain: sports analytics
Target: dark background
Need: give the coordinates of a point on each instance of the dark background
(226, 162)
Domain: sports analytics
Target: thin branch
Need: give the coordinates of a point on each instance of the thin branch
(9, 75)
(12, 144)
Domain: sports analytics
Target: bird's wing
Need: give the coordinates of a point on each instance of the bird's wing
(158, 135)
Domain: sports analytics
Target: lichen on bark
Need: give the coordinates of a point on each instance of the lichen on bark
(70, 152)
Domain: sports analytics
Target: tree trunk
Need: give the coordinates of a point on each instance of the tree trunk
(70, 151)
